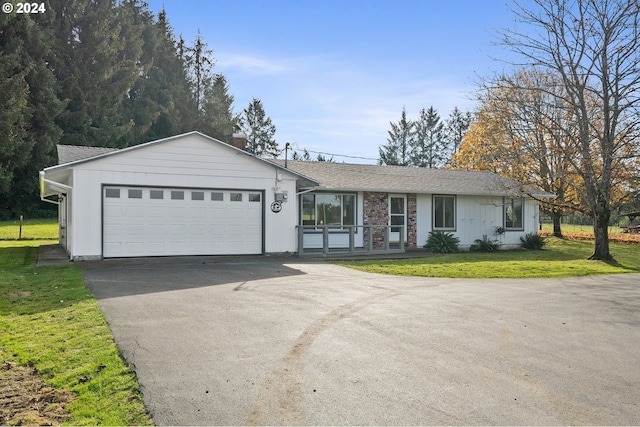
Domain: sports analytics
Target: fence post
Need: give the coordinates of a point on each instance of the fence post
(20, 232)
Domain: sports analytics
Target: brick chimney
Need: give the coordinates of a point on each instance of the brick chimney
(238, 140)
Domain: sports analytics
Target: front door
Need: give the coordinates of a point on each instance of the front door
(397, 217)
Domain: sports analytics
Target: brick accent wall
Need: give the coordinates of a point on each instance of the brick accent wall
(376, 212)
(412, 220)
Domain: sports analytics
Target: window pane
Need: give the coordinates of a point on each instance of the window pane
(197, 195)
(236, 197)
(397, 205)
(156, 194)
(134, 194)
(112, 193)
(217, 197)
(349, 210)
(308, 209)
(438, 212)
(449, 212)
(329, 209)
(177, 195)
(513, 214)
(254, 197)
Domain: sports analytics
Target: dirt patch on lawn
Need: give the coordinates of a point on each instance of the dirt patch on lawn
(26, 400)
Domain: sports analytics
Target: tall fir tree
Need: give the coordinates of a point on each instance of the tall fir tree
(28, 108)
(397, 151)
(97, 65)
(455, 128)
(217, 118)
(428, 147)
(260, 130)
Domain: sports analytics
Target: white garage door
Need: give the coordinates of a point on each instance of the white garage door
(178, 221)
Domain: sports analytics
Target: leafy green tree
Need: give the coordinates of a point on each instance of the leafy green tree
(428, 144)
(397, 151)
(260, 130)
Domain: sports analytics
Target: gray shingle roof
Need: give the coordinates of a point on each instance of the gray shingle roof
(357, 177)
(71, 153)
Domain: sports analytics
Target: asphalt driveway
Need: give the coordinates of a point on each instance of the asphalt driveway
(255, 341)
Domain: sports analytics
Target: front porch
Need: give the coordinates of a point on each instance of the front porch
(376, 240)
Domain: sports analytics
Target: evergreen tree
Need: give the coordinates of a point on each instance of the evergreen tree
(160, 102)
(428, 148)
(455, 128)
(97, 64)
(28, 108)
(216, 118)
(260, 130)
(397, 151)
(200, 62)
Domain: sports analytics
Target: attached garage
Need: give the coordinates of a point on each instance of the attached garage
(185, 195)
(154, 221)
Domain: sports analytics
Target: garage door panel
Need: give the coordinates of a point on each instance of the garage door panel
(203, 222)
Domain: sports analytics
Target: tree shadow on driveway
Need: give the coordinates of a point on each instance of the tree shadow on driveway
(117, 278)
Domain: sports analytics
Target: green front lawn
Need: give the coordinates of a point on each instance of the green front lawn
(560, 258)
(50, 320)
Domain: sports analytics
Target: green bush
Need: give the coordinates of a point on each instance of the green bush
(533, 241)
(485, 245)
(442, 242)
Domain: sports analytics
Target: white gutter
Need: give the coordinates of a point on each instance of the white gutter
(43, 181)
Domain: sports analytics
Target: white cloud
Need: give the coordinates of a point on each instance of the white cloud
(252, 65)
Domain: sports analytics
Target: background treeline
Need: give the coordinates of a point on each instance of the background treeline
(103, 73)
(427, 142)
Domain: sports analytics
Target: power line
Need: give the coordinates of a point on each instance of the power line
(339, 155)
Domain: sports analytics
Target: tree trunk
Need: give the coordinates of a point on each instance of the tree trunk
(601, 234)
(556, 217)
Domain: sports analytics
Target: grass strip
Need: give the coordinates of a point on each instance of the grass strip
(51, 321)
(561, 258)
(32, 229)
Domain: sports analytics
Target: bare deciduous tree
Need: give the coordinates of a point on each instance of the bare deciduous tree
(594, 48)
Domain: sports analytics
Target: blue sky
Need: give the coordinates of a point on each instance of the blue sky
(333, 74)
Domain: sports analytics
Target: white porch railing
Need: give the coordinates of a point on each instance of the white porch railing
(376, 239)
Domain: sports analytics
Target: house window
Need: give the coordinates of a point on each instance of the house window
(197, 195)
(514, 214)
(217, 197)
(254, 197)
(444, 212)
(236, 197)
(328, 209)
(177, 195)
